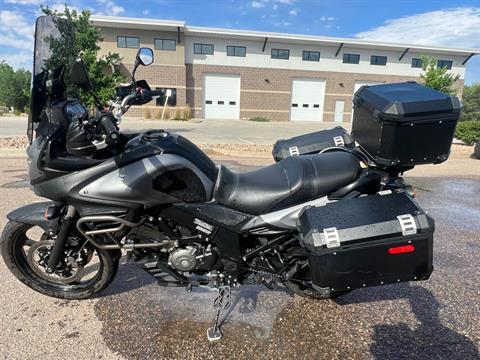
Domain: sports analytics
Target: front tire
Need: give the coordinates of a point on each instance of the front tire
(14, 239)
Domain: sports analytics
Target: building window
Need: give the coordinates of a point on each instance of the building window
(416, 63)
(283, 54)
(128, 42)
(378, 60)
(203, 49)
(351, 58)
(311, 56)
(236, 51)
(165, 44)
(444, 64)
(172, 99)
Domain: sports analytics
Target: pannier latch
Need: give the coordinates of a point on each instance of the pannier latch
(407, 224)
(338, 140)
(294, 151)
(332, 239)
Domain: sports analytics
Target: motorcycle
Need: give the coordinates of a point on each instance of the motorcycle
(188, 222)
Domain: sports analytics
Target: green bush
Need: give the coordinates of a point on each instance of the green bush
(468, 131)
(259, 119)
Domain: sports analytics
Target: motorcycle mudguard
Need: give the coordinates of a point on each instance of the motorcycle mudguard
(34, 214)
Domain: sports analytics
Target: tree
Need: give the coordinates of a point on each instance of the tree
(15, 89)
(471, 102)
(438, 78)
(79, 36)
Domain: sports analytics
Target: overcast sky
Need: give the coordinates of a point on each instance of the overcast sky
(450, 23)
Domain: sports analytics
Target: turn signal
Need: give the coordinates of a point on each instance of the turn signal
(401, 249)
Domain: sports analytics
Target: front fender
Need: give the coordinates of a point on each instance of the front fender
(34, 214)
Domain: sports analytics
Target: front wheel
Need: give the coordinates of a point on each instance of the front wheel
(83, 271)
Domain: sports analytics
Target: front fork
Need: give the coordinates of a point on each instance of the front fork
(59, 245)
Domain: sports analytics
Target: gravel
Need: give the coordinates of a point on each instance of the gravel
(21, 142)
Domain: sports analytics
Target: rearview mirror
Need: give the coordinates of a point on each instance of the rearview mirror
(79, 75)
(145, 56)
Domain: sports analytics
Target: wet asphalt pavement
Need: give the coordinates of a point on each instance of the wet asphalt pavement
(135, 318)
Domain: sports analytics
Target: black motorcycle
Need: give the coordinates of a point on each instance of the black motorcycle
(320, 225)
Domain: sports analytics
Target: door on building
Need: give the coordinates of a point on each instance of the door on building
(308, 96)
(221, 96)
(339, 109)
(359, 84)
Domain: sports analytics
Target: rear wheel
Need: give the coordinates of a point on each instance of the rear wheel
(82, 272)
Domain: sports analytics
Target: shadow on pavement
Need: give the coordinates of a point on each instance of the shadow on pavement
(245, 300)
(429, 340)
(129, 277)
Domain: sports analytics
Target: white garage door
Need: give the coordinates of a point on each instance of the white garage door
(221, 96)
(308, 96)
(359, 84)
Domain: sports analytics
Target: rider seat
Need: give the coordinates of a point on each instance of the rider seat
(289, 182)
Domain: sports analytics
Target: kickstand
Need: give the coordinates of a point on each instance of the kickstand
(221, 302)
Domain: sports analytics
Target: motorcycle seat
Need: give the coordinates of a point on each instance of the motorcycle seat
(289, 182)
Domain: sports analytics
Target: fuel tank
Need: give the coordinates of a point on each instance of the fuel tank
(154, 168)
(154, 180)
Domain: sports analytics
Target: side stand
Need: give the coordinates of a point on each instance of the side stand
(221, 302)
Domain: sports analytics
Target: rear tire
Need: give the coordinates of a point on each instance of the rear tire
(476, 150)
(12, 241)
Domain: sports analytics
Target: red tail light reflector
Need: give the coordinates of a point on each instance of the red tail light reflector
(401, 249)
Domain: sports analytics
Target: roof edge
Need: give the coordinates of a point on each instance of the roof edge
(101, 20)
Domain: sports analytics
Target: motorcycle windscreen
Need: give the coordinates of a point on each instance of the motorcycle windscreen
(45, 28)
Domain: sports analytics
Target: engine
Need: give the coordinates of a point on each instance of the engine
(192, 257)
(187, 253)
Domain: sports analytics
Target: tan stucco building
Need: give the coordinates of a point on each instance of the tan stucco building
(239, 74)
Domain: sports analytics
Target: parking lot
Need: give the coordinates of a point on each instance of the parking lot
(135, 318)
(212, 131)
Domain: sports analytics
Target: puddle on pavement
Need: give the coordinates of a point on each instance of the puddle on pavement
(158, 322)
(142, 320)
(450, 201)
(176, 320)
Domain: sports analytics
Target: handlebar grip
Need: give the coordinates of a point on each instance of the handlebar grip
(108, 124)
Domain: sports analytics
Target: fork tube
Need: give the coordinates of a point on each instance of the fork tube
(59, 245)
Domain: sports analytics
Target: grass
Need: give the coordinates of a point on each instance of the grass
(259, 119)
(171, 113)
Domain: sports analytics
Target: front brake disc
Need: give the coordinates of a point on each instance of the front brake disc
(37, 259)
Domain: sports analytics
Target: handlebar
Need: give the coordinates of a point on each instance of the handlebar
(139, 96)
(108, 124)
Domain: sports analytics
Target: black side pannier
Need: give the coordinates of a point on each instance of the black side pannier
(404, 124)
(311, 143)
(367, 241)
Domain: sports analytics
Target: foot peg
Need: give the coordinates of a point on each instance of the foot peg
(222, 302)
